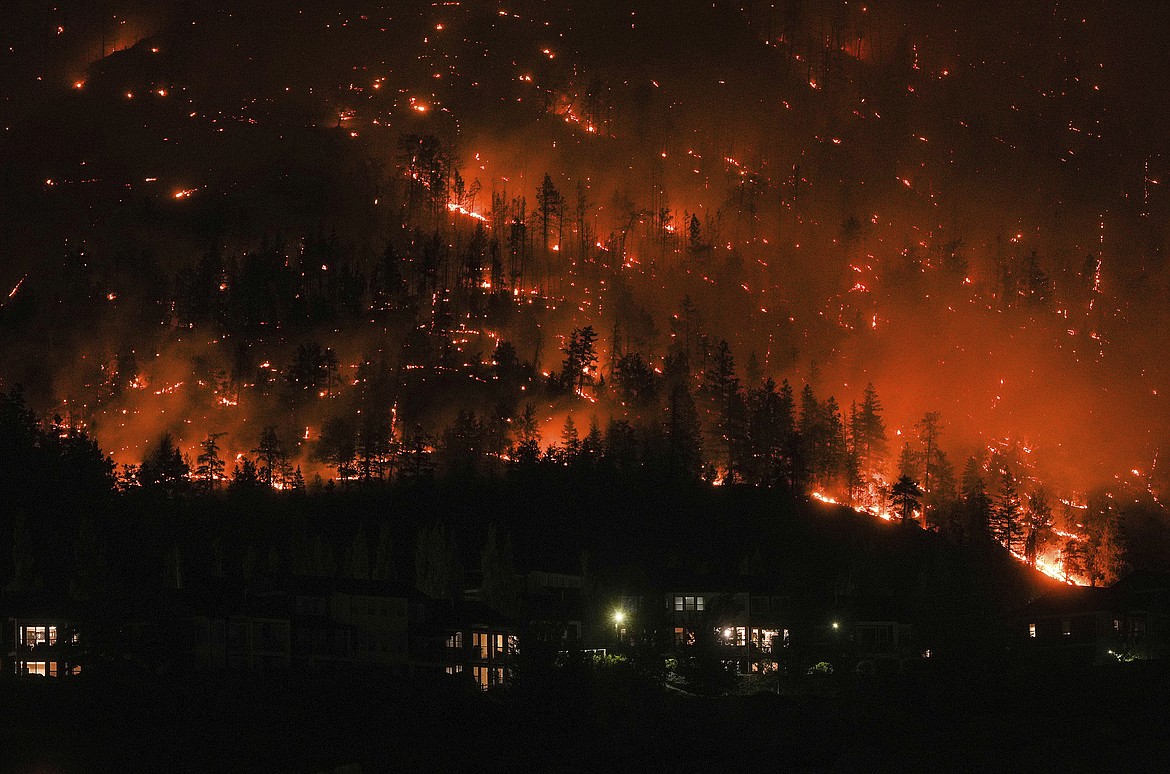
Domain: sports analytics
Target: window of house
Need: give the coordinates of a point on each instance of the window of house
(479, 641)
(678, 604)
(513, 644)
(497, 645)
(454, 670)
(455, 641)
(765, 639)
(486, 677)
(37, 668)
(1032, 630)
(739, 636)
(39, 635)
(687, 603)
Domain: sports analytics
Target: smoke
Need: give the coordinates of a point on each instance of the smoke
(868, 190)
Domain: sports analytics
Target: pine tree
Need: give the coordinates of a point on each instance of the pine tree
(683, 434)
(209, 470)
(499, 589)
(271, 455)
(528, 449)
(435, 563)
(165, 469)
(906, 495)
(384, 554)
(90, 563)
(1039, 522)
(594, 445)
(977, 504)
(871, 444)
(1006, 526)
(358, 565)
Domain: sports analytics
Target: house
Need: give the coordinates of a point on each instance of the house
(44, 646)
(479, 641)
(1126, 621)
(304, 623)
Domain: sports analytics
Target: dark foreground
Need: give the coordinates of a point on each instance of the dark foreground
(972, 719)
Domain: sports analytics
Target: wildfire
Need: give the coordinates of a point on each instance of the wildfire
(16, 287)
(453, 207)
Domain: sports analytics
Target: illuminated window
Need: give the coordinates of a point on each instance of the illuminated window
(1032, 630)
(455, 641)
(36, 668)
(479, 641)
(513, 644)
(37, 635)
(765, 639)
(487, 677)
(688, 603)
(454, 670)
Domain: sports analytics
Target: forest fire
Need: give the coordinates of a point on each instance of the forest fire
(709, 283)
(680, 363)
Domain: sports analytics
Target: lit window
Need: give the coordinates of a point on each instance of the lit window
(479, 641)
(1032, 630)
(678, 604)
(36, 668)
(698, 603)
(455, 641)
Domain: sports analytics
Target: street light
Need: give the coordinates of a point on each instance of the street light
(618, 617)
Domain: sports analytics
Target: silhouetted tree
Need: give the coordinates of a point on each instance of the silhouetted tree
(905, 496)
